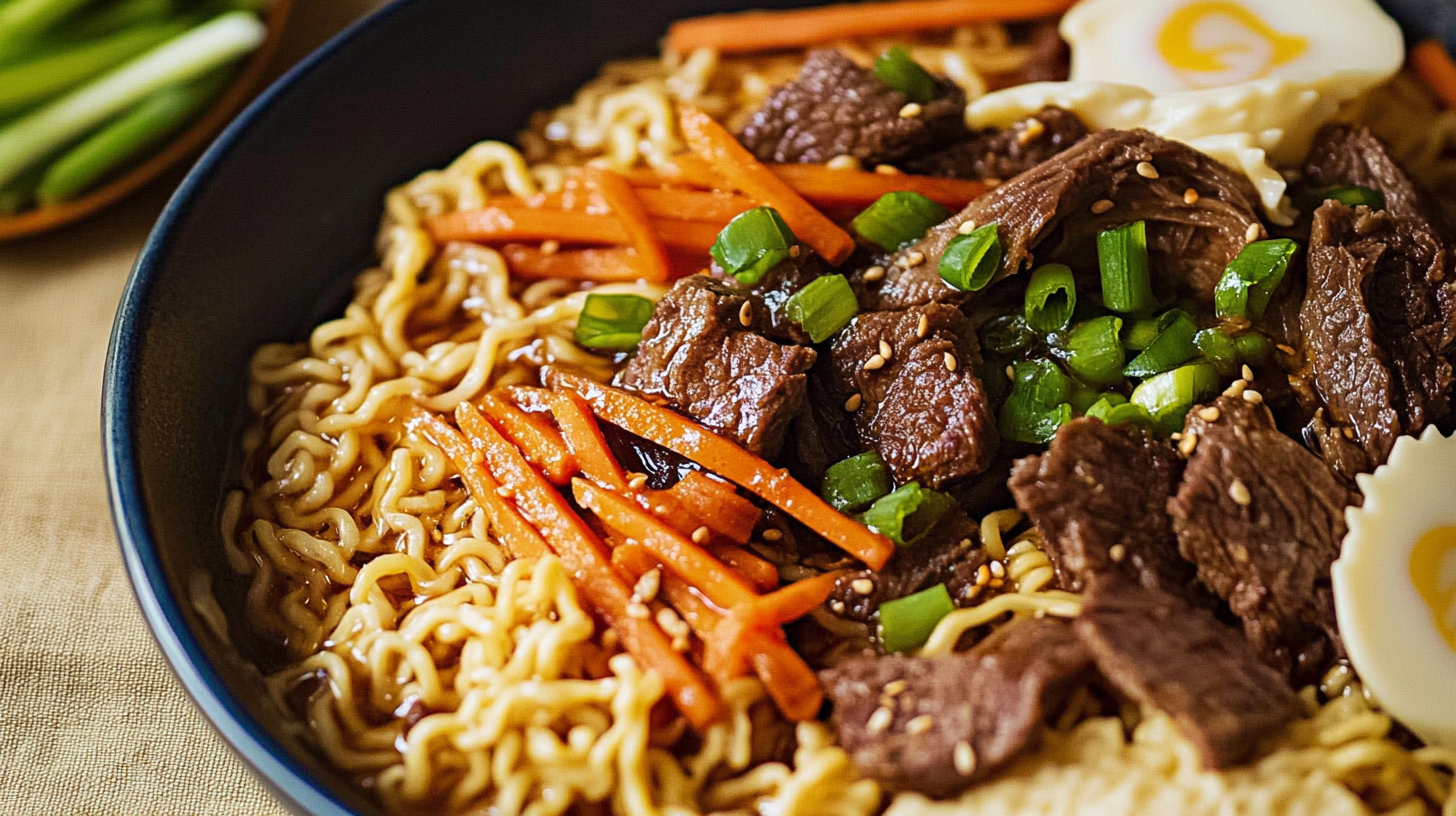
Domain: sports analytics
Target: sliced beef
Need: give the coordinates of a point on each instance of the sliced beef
(1346, 154)
(950, 556)
(924, 410)
(697, 355)
(1098, 496)
(1263, 518)
(991, 698)
(1159, 651)
(999, 154)
(836, 108)
(1045, 214)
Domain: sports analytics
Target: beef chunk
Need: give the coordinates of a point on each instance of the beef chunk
(1160, 652)
(924, 410)
(1098, 497)
(836, 108)
(1347, 154)
(1000, 154)
(1045, 214)
(1263, 518)
(697, 355)
(949, 557)
(992, 698)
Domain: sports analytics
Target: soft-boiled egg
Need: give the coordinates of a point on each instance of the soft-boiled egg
(1395, 586)
(1245, 81)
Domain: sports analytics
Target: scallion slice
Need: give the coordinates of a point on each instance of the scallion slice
(897, 219)
(1037, 405)
(1251, 278)
(970, 261)
(1139, 334)
(1172, 347)
(906, 623)
(1168, 396)
(1351, 195)
(1051, 297)
(823, 307)
(613, 322)
(855, 483)
(900, 71)
(1122, 254)
(1114, 409)
(1218, 349)
(1008, 334)
(1253, 347)
(1093, 350)
(907, 514)
(753, 243)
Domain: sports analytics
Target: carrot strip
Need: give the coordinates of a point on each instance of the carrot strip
(827, 187)
(787, 605)
(713, 142)
(666, 507)
(628, 209)
(597, 265)
(498, 225)
(530, 398)
(780, 30)
(718, 505)
(762, 574)
(715, 206)
(1433, 63)
(582, 554)
(719, 584)
(533, 434)
(519, 538)
(585, 440)
(725, 458)
(789, 680)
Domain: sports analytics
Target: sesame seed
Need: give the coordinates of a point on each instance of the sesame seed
(880, 720)
(967, 227)
(923, 326)
(638, 481)
(874, 273)
(973, 591)
(983, 575)
(1190, 196)
(950, 362)
(837, 607)
(647, 586)
(852, 404)
(660, 509)
(1236, 388)
(1241, 553)
(991, 183)
(1033, 131)
(863, 586)
(913, 258)
(795, 251)
(669, 621)
(1010, 372)
(700, 535)
(1187, 444)
(1209, 414)
(964, 758)
(1252, 233)
(680, 643)
(1348, 432)
(911, 110)
(1147, 170)
(1252, 396)
(772, 534)
(638, 610)
(895, 687)
(504, 492)
(998, 570)
(610, 639)
(1175, 436)
(1117, 552)
(919, 725)
(996, 583)
(843, 161)
(1239, 492)
(550, 247)
(745, 313)
(887, 170)
(1247, 372)
(886, 351)
(1286, 349)
(1101, 206)
(874, 363)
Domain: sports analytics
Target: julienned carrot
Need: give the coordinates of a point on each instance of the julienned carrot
(828, 187)
(518, 537)
(1433, 62)
(762, 574)
(585, 440)
(710, 205)
(788, 604)
(583, 555)
(666, 507)
(778, 30)
(789, 680)
(727, 459)
(718, 505)
(529, 398)
(533, 434)
(599, 265)
(628, 209)
(679, 554)
(501, 225)
(712, 142)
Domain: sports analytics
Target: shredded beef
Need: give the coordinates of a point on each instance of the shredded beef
(1346, 154)
(1263, 518)
(836, 108)
(1000, 154)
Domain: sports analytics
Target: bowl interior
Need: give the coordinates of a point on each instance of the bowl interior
(259, 244)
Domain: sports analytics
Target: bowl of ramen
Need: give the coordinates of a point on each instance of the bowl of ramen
(921, 406)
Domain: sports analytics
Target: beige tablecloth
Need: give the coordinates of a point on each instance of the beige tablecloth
(91, 719)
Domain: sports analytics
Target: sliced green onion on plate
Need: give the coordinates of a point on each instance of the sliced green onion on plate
(823, 307)
(970, 261)
(613, 322)
(1251, 278)
(907, 514)
(1172, 347)
(1051, 297)
(1169, 396)
(1114, 409)
(1122, 255)
(1094, 350)
(906, 623)
(753, 243)
(1037, 405)
(897, 219)
(853, 484)
(900, 71)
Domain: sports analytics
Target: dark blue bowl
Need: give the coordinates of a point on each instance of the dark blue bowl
(259, 244)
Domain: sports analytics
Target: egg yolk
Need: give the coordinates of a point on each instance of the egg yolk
(1183, 43)
(1433, 571)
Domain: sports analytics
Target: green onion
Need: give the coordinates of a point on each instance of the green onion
(1008, 334)
(1219, 349)
(907, 514)
(125, 139)
(41, 133)
(992, 374)
(1139, 334)
(34, 81)
(1081, 397)
(1114, 409)
(1351, 195)
(1168, 396)
(897, 69)
(1251, 278)
(118, 16)
(613, 322)
(970, 261)
(823, 307)
(1122, 254)
(1093, 350)
(897, 219)
(753, 243)
(1172, 347)
(1253, 347)
(19, 194)
(1051, 297)
(855, 483)
(906, 623)
(21, 21)
(1037, 405)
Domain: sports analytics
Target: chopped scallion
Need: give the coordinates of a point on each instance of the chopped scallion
(823, 307)
(1093, 350)
(1251, 278)
(1172, 347)
(855, 483)
(900, 71)
(1351, 195)
(1008, 334)
(906, 623)
(970, 261)
(613, 322)
(1114, 409)
(1168, 396)
(1218, 349)
(753, 243)
(1051, 297)
(1122, 254)
(897, 219)
(1037, 405)
(1253, 347)
(1139, 334)
(907, 514)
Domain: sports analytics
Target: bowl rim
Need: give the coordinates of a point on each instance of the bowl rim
(269, 760)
